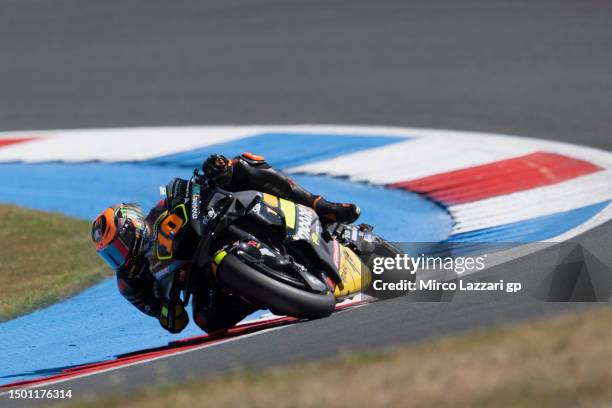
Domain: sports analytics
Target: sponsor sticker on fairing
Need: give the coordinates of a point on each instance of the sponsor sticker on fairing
(305, 219)
(195, 202)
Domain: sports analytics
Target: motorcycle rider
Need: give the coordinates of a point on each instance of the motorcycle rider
(123, 237)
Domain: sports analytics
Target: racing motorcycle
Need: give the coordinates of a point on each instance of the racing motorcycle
(272, 252)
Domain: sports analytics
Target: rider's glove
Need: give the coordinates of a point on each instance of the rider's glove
(173, 316)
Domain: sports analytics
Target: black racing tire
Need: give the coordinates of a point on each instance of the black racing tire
(280, 298)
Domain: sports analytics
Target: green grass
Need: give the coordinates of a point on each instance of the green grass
(46, 257)
(563, 362)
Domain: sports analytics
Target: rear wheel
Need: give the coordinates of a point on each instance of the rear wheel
(267, 292)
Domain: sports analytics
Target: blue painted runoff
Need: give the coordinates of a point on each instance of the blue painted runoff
(283, 150)
(93, 326)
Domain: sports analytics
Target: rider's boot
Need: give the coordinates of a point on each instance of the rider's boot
(335, 212)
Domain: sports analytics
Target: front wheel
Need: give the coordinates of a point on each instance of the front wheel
(267, 292)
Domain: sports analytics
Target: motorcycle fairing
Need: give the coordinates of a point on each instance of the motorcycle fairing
(176, 191)
(264, 213)
(355, 275)
(303, 232)
(268, 261)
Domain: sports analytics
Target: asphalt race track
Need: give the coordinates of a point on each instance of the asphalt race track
(539, 69)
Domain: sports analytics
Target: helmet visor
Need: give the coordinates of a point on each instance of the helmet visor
(115, 254)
